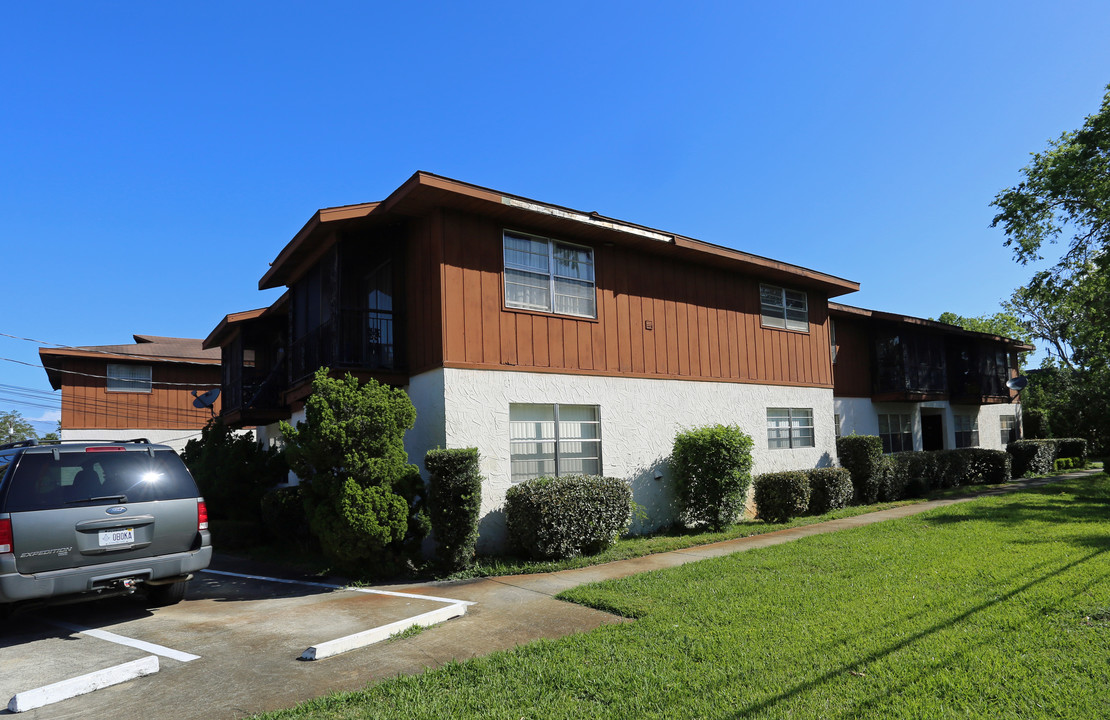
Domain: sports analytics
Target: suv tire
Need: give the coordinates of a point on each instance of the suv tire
(169, 594)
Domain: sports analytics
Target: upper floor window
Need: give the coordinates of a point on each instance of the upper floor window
(789, 428)
(129, 378)
(546, 440)
(967, 431)
(549, 276)
(782, 308)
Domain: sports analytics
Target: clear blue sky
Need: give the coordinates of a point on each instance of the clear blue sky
(155, 157)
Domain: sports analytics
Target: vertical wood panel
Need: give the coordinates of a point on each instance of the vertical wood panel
(453, 296)
(525, 344)
(622, 330)
(490, 257)
(636, 331)
(555, 347)
(585, 345)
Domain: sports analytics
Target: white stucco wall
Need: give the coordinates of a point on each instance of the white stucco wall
(861, 416)
(639, 419)
(176, 439)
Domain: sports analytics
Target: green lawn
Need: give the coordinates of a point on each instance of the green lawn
(996, 608)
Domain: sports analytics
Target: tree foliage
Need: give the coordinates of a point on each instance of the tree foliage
(1064, 195)
(233, 471)
(14, 427)
(362, 496)
(1065, 192)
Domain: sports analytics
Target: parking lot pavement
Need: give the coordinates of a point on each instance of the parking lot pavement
(230, 649)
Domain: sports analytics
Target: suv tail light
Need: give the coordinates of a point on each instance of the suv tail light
(5, 536)
(202, 515)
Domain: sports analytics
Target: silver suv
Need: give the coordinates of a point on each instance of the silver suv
(98, 518)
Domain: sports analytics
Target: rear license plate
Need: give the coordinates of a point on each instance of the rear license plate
(124, 536)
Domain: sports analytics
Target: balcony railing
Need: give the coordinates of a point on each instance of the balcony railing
(362, 340)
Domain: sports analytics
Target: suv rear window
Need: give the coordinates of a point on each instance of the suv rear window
(40, 482)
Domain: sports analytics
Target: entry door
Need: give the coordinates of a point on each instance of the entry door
(932, 432)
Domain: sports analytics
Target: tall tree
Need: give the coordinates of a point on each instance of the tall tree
(1064, 194)
(1065, 191)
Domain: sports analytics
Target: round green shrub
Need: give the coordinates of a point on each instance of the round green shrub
(712, 470)
(830, 489)
(560, 517)
(780, 496)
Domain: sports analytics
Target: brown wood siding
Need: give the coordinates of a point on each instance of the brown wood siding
(87, 404)
(852, 371)
(704, 322)
(423, 294)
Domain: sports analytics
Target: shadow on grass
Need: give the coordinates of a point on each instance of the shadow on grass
(1076, 504)
(808, 685)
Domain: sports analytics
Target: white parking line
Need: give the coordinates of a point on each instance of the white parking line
(341, 587)
(66, 689)
(369, 637)
(129, 642)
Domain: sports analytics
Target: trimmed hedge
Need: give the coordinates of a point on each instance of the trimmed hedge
(712, 470)
(780, 496)
(454, 499)
(1072, 448)
(1069, 463)
(862, 456)
(560, 517)
(1032, 457)
(830, 489)
(918, 473)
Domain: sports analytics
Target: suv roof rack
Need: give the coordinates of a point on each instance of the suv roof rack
(33, 442)
(19, 443)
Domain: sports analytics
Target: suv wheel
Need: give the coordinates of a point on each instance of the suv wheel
(169, 594)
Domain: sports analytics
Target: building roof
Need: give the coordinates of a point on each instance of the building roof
(839, 309)
(231, 323)
(149, 348)
(424, 192)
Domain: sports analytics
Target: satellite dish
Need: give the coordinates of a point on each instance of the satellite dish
(1017, 383)
(206, 400)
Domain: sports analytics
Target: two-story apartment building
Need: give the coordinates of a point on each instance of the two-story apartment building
(553, 340)
(920, 384)
(140, 389)
(558, 341)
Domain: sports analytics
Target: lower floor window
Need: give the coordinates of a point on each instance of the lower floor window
(967, 431)
(789, 428)
(896, 433)
(549, 439)
(1009, 429)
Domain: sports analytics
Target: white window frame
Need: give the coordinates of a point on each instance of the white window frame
(1006, 432)
(905, 427)
(557, 439)
(790, 435)
(129, 378)
(967, 425)
(552, 275)
(836, 425)
(777, 314)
